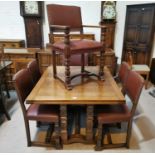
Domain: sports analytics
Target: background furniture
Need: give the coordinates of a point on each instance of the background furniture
(50, 91)
(110, 33)
(110, 114)
(139, 33)
(12, 43)
(32, 13)
(20, 58)
(152, 71)
(142, 69)
(3, 87)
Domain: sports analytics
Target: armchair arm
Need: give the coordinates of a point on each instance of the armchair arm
(94, 26)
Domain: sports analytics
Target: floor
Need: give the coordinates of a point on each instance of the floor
(13, 137)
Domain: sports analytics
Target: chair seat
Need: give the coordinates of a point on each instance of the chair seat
(113, 114)
(79, 46)
(44, 113)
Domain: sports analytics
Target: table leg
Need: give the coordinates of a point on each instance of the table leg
(63, 119)
(89, 123)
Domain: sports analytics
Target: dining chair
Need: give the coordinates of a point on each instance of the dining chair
(66, 19)
(142, 69)
(33, 67)
(118, 113)
(43, 113)
(122, 74)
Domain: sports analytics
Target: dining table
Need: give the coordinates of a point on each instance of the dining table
(87, 91)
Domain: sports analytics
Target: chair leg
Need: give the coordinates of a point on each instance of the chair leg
(99, 144)
(108, 135)
(128, 133)
(82, 62)
(67, 72)
(38, 124)
(58, 144)
(54, 64)
(27, 127)
(49, 134)
(101, 65)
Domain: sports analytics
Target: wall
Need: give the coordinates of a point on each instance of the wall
(12, 24)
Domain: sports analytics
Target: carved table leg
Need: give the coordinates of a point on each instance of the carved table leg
(63, 120)
(89, 124)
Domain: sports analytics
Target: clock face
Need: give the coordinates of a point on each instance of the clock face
(31, 7)
(109, 12)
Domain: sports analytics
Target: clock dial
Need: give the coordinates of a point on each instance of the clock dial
(31, 7)
(109, 12)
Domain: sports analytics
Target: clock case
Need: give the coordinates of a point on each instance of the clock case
(33, 26)
(106, 20)
(23, 13)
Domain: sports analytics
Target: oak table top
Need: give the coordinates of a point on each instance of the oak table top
(87, 91)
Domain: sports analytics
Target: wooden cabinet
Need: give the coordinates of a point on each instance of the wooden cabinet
(110, 33)
(12, 43)
(139, 33)
(19, 58)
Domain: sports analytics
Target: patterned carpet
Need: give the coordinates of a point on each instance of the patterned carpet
(13, 137)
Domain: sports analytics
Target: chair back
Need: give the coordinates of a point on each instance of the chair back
(65, 16)
(23, 85)
(34, 70)
(133, 87)
(123, 72)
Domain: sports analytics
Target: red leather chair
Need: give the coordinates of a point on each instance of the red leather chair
(34, 69)
(122, 74)
(110, 114)
(43, 113)
(68, 19)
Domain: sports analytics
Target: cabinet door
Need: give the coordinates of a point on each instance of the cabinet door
(33, 27)
(138, 34)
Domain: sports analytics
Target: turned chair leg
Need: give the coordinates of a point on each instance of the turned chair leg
(99, 144)
(67, 72)
(58, 144)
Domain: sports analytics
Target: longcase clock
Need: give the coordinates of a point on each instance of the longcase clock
(32, 12)
(108, 19)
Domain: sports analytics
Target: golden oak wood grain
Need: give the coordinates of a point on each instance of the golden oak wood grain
(87, 91)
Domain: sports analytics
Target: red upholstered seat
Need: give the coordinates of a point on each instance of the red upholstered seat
(114, 114)
(43, 113)
(79, 46)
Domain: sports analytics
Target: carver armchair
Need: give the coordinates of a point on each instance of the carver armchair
(66, 19)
